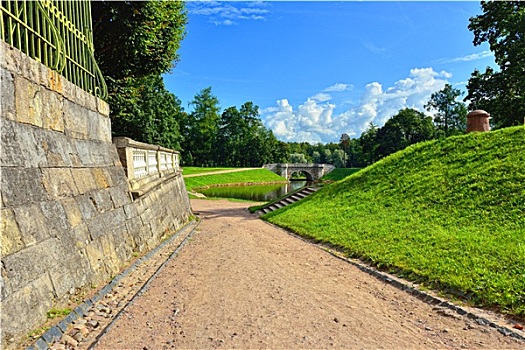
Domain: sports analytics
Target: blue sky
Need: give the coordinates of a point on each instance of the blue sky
(318, 69)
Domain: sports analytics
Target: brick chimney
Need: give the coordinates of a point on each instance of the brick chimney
(478, 120)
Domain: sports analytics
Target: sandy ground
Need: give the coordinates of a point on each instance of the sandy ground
(241, 283)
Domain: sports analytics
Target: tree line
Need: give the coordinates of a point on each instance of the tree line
(137, 41)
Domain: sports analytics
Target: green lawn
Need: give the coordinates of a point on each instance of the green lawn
(241, 177)
(449, 213)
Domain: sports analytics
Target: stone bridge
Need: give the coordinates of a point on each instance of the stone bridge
(313, 171)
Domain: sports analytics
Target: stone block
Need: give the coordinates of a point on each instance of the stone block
(28, 102)
(59, 182)
(56, 219)
(10, 237)
(84, 180)
(19, 146)
(111, 262)
(32, 223)
(73, 214)
(58, 150)
(104, 223)
(102, 200)
(86, 205)
(68, 90)
(11, 58)
(53, 110)
(31, 69)
(102, 107)
(117, 176)
(95, 257)
(7, 93)
(21, 268)
(26, 308)
(130, 210)
(90, 101)
(75, 120)
(101, 178)
(120, 196)
(22, 186)
(55, 81)
(85, 151)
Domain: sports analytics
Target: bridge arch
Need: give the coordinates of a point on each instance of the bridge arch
(313, 171)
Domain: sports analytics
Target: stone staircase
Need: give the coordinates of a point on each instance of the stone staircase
(290, 199)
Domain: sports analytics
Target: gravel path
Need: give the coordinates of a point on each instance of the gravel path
(241, 283)
(220, 172)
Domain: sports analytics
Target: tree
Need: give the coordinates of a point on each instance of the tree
(135, 42)
(501, 93)
(407, 127)
(202, 128)
(338, 158)
(450, 114)
(369, 144)
(297, 158)
(137, 38)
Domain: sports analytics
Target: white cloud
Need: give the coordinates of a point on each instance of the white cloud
(338, 87)
(322, 97)
(315, 121)
(226, 13)
(466, 58)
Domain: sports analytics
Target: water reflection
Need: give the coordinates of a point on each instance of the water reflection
(260, 193)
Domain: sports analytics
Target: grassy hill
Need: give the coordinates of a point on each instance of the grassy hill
(449, 213)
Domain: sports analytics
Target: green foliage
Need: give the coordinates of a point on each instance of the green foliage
(135, 42)
(449, 213)
(451, 115)
(501, 93)
(407, 127)
(201, 129)
(137, 38)
(248, 176)
(144, 110)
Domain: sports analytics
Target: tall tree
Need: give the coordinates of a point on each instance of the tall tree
(135, 42)
(203, 124)
(501, 93)
(450, 115)
(137, 38)
(369, 144)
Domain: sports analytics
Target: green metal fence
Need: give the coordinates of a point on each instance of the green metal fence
(58, 34)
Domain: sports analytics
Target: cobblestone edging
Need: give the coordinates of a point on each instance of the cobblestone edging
(55, 333)
(405, 286)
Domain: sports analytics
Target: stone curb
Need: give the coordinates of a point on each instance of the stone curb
(56, 332)
(404, 286)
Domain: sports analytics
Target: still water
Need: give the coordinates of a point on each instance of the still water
(259, 193)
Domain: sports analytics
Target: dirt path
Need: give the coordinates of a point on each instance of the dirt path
(220, 172)
(241, 283)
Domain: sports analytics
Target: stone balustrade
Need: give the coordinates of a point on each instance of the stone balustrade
(146, 165)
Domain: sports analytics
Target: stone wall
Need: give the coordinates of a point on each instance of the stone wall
(68, 220)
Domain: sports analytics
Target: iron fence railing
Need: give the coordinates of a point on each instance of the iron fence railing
(57, 34)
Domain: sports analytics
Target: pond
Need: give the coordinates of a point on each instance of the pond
(259, 193)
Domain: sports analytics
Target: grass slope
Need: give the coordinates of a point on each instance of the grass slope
(248, 176)
(450, 213)
(339, 174)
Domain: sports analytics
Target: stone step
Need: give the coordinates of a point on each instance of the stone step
(292, 198)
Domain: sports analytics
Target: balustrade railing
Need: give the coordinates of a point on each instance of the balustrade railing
(146, 164)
